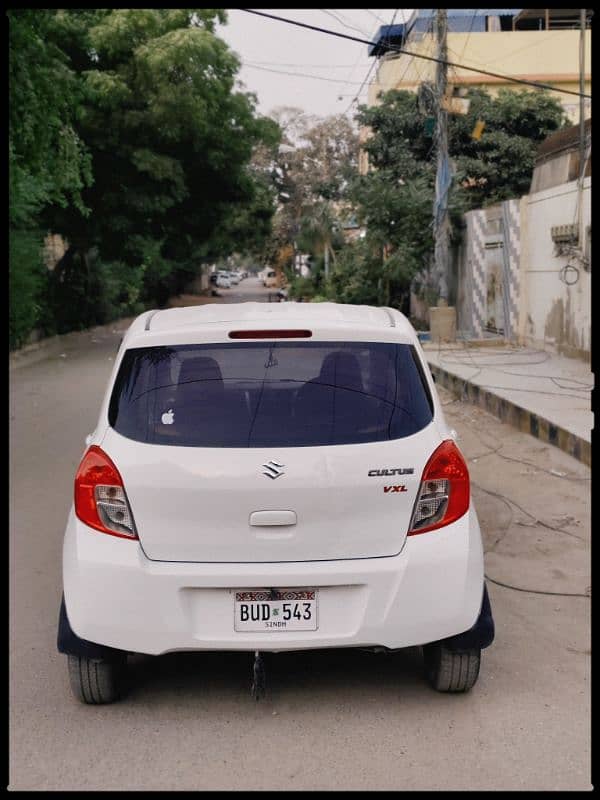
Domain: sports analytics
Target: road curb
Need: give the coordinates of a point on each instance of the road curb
(507, 411)
(53, 346)
(32, 353)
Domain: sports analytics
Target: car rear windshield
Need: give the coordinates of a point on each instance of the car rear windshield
(275, 394)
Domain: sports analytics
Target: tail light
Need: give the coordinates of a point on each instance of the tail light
(444, 493)
(100, 499)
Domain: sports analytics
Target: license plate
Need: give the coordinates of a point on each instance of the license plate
(275, 610)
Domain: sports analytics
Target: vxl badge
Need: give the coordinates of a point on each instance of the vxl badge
(273, 469)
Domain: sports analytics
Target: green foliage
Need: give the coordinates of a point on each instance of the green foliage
(356, 277)
(48, 162)
(302, 288)
(515, 123)
(27, 281)
(170, 141)
(309, 174)
(394, 201)
(499, 165)
(146, 100)
(84, 291)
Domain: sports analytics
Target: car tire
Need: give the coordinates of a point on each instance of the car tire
(449, 670)
(97, 680)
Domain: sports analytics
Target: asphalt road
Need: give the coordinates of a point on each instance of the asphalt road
(340, 720)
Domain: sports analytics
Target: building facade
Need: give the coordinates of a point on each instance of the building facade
(540, 45)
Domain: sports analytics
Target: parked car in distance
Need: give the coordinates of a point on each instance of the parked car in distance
(271, 479)
(213, 277)
(223, 282)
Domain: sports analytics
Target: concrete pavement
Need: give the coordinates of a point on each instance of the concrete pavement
(339, 720)
(546, 395)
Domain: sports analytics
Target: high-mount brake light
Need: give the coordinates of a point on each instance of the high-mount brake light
(444, 494)
(271, 334)
(100, 499)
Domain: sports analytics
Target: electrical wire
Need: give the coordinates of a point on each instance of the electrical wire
(284, 64)
(503, 57)
(507, 78)
(527, 513)
(496, 451)
(480, 365)
(469, 33)
(348, 80)
(370, 68)
(341, 21)
(375, 16)
(536, 591)
(575, 478)
(412, 58)
(360, 90)
(459, 58)
(509, 503)
(295, 74)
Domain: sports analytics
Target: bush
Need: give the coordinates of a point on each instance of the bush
(85, 291)
(27, 284)
(302, 288)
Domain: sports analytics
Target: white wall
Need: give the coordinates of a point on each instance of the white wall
(552, 315)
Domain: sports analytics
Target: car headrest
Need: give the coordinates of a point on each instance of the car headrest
(199, 371)
(341, 369)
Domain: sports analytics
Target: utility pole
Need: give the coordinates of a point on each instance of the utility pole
(580, 231)
(442, 179)
(582, 13)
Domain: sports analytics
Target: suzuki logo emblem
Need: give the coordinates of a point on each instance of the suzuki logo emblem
(273, 469)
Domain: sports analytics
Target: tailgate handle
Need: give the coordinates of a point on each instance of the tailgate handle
(260, 518)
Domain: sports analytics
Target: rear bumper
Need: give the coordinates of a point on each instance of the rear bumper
(432, 590)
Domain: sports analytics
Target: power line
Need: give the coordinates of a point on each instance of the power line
(361, 88)
(460, 58)
(348, 81)
(506, 56)
(374, 62)
(507, 78)
(369, 72)
(341, 21)
(285, 64)
(375, 16)
(412, 58)
(297, 74)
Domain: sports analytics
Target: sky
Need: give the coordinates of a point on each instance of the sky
(270, 50)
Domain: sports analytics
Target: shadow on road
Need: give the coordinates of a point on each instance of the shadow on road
(310, 673)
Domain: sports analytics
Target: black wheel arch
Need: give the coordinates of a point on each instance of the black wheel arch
(482, 633)
(69, 643)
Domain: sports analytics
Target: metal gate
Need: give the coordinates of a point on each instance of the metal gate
(494, 286)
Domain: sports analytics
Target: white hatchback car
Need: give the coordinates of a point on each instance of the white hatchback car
(271, 477)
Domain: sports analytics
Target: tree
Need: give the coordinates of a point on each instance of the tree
(48, 162)
(318, 230)
(311, 172)
(394, 200)
(170, 141)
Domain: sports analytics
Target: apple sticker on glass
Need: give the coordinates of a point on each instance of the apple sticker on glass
(168, 417)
